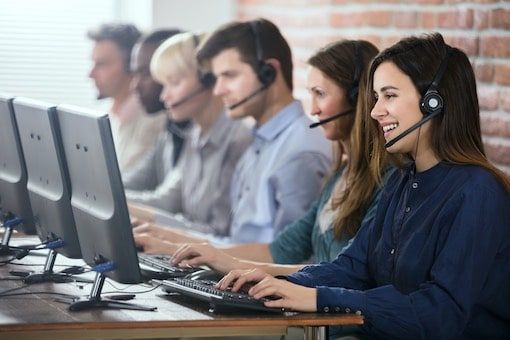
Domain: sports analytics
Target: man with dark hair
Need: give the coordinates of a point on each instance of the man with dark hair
(134, 132)
(281, 173)
(143, 181)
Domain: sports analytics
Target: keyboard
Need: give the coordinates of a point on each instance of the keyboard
(159, 266)
(219, 300)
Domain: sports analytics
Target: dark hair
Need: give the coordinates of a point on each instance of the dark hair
(455, 134)
(123, 35)
(346, 63)
(158, 36)
(240, 35)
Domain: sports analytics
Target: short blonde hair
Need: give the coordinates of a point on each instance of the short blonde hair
(176, 56)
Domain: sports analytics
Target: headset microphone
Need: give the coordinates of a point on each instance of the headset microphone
(245, 99)
(329, 119)
(188, 97)
(411, 129)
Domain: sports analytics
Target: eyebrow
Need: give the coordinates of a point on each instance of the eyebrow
(389, 87)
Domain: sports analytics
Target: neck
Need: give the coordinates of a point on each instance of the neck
(276, 98)
(120, 98)
(425, 159)
(207, 117)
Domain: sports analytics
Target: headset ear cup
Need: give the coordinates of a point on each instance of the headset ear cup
(431, 102)
(206, 79)
(266, 74)
(352, 95)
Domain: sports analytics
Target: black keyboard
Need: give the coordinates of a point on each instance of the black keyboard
(222, 300)
(159, 266)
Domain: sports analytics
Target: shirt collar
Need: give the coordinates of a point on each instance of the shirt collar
(216, 133)
(283, 119)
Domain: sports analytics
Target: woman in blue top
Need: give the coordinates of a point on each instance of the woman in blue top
(334, 74)
(434, 263)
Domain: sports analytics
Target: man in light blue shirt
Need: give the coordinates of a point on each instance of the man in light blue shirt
(282, 171)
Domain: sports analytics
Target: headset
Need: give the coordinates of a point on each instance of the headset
(431, 103)
(206, 79)
(266, 73)
(352, 92)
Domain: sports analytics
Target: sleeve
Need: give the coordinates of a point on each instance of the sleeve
(167, 196)
(296, 185)
(143, 176)
(296, 236)
(458, 274)
(349, 269)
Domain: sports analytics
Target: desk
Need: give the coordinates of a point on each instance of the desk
(39, 316)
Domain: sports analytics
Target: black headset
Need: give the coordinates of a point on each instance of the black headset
(206, 79)
(432, 102)
(266, 73)
(352, 92)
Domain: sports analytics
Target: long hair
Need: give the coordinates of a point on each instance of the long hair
(340, 62)
(455, 134)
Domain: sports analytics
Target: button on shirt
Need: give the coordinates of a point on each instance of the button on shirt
(438, 271)
(279, 176)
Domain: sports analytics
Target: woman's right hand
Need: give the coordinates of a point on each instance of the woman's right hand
(237, 278)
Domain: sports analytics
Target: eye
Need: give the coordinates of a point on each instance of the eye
(319, 93)
(389, 95)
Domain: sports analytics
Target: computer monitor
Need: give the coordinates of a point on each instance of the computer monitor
(98, 202)
(48, 183)
(14, 202)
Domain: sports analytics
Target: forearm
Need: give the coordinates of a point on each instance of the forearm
(258, 252)
(270, 268)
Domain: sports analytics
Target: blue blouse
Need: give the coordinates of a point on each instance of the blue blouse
(433, 263)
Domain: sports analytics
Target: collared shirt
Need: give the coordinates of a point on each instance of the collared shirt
(279, 176)
(433, 264)
(134, 132)
(157, 164)
(199, 189)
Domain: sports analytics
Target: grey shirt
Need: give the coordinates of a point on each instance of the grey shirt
(155, 166)
(199, 188)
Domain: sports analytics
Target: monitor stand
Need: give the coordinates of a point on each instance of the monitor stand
(48, 275)
(95, 300)
(9, 223)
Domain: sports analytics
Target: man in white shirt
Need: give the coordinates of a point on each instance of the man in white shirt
(134, 132)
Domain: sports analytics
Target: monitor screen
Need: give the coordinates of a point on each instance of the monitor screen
(13, 174)
(98, 199)
(48, 181)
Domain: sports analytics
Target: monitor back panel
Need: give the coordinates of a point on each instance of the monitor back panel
(98, 199)
(13, 174)
(48, 183)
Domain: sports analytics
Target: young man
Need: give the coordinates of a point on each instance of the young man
(134, 132)
(281, 172)
(143, 180)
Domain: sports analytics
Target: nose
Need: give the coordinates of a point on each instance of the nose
(378, 111)
(314, 107)
(219, 87)
(92, 72)
(165, 94)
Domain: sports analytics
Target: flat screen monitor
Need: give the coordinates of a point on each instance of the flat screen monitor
(14, 200)
(48, 183)
(98, 200)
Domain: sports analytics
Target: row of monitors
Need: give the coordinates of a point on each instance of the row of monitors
(59, 174)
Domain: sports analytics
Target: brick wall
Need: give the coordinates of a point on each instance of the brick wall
(480, 27)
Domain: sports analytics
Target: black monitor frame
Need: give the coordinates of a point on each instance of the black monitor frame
(15, 209)
(99, 203)
(48, 184)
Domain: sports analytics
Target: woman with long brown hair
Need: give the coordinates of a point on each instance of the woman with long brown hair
(434, 263)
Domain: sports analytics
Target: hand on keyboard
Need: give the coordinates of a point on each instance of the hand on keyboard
(241, 277)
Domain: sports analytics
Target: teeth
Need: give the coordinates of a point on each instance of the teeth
(389, 127)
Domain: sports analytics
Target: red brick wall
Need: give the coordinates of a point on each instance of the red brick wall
(480, 27)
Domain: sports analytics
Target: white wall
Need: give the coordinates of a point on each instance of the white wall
(196, 15)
